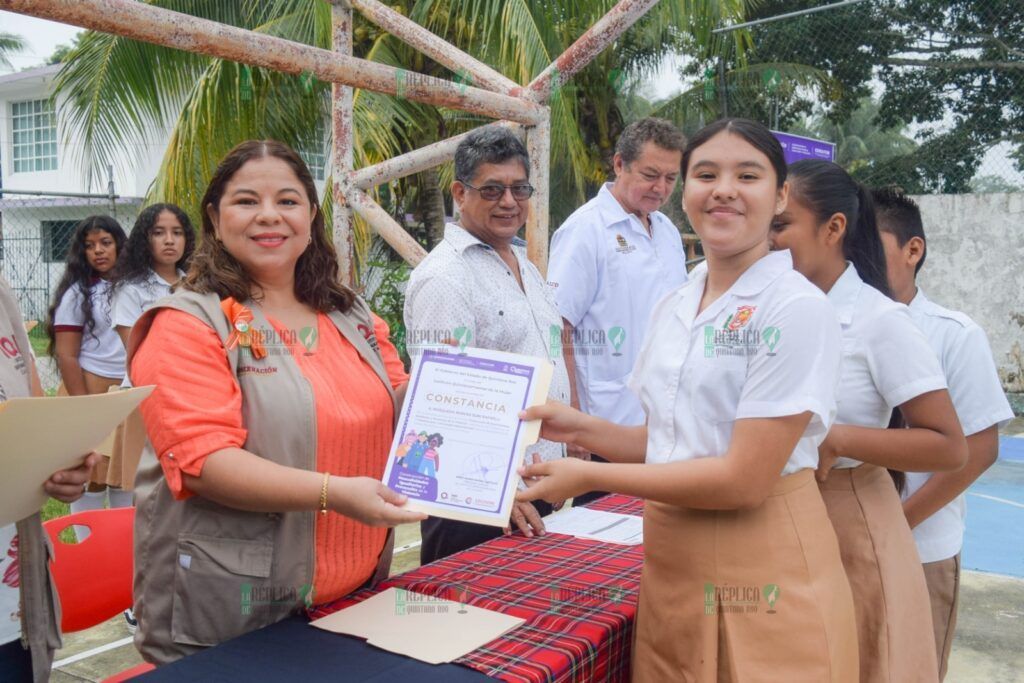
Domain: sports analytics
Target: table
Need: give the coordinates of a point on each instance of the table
(578, 598)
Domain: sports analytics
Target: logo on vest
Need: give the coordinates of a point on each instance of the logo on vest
(369, 336)
(256, 370)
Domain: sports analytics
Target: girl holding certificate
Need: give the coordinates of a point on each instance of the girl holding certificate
(742, 576)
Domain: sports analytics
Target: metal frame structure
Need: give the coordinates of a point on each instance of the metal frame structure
(492, 95)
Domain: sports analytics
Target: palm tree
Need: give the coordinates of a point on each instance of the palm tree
(9, 42)
(117, 88)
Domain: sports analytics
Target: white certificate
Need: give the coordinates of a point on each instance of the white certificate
(459, 439)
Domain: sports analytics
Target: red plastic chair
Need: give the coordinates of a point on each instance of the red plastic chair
(94, 576)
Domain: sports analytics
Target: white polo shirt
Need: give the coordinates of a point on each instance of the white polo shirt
(131, 299)
(886, 359)
(102, 352)
(769, 347)
(608, 274)
(980, 403)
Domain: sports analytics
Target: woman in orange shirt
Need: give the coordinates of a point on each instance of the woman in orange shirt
(270, 424)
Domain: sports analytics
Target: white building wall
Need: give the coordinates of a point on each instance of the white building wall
(975, 264)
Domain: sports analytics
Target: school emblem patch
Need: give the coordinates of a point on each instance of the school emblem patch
(739, 319)
(624, 246)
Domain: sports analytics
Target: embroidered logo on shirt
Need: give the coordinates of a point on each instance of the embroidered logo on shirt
(739, 319)
(370, 337)
(255, 370)
(624, 246)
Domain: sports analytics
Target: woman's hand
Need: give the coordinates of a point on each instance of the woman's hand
(68, 485)
(369, 501)
(559, 422)
(829, 451)
(556, 480)
(526, 519)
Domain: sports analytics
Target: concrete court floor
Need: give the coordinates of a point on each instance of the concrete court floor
(989, 645)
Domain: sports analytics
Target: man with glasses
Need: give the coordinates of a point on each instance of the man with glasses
(478, 288)
(611, 261)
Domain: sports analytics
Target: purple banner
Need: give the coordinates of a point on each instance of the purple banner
(797, 147)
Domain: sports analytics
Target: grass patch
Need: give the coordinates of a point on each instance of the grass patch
(39, 341)
(55, 508)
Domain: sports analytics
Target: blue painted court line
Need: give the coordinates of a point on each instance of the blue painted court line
(1011, 448)
(994, 541)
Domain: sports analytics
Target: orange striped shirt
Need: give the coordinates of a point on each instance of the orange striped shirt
(197, 409)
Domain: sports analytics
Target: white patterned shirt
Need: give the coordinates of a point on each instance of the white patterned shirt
(463, 290)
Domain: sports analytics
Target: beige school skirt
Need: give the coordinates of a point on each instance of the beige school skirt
(745, 595)
(894, 620)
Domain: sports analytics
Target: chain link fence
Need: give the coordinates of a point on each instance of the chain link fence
(35, 233)
(925, 94)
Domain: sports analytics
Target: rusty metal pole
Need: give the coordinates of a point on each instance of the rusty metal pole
(538, 144)
(596, 38)
(470, 69)
(141, 21)
(412, 162)
(341, 150)
(386, 226)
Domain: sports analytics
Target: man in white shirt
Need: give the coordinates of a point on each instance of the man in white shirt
(478, 288)
(611, 261)
(934, 503)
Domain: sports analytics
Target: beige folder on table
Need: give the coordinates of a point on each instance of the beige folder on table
(39, 436)
(423, 627)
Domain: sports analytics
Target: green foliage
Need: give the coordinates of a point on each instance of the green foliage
(387, 298)
(953, 70)
(9, 43)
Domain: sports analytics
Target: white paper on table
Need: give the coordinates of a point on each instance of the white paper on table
(598, 525)
(41, 435)
(423, 627)
(467, 402)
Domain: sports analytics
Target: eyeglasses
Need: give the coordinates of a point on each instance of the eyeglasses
(493, 193)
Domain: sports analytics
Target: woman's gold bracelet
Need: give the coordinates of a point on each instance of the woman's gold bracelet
(323, 493)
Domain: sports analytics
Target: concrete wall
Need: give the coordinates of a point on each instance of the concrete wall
(975, 264)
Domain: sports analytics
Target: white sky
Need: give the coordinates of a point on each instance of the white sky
(42, 37)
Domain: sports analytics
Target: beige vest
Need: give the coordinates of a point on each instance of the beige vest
(40, 609)
(204, 572)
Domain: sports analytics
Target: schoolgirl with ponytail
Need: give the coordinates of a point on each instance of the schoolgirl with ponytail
(829, 226)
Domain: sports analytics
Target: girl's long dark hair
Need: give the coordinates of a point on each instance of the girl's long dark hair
(827, 189)
(135, 262)
(78, 271)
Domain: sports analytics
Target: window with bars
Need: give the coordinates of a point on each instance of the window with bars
(57, 239)
(34, 136)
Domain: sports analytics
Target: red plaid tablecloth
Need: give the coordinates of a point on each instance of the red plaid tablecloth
(578, 598)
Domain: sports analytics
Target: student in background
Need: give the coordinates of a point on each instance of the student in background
(737, 377)
(154, 259)
(829, 228)
(934, 504)
(89, 354)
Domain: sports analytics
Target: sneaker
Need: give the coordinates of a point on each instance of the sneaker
(131, 621)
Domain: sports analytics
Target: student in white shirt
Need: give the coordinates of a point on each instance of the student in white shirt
(829, 228)
(153, 260)
(89, 354)
(155, 257)
(934, 504)
(611, 261)
(742, 578)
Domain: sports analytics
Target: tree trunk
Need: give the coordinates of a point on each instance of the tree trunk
(432, 206)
